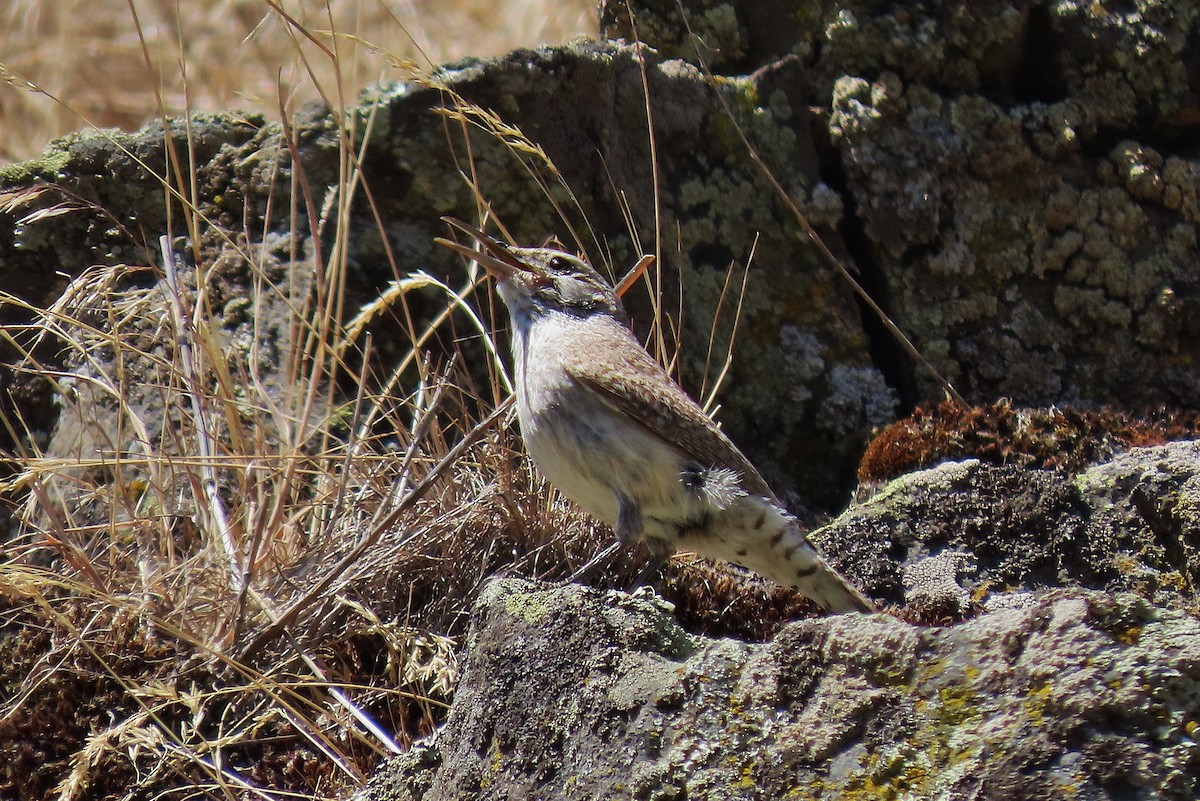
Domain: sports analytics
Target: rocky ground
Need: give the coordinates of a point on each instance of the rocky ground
(1016, 183)
(1088, 692)
(574, 693)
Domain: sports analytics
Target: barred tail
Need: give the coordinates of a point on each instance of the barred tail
(766, 539)
(806, 571)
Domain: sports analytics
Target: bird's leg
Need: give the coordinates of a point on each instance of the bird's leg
(629, 520)
(630, 529)
(660, 551)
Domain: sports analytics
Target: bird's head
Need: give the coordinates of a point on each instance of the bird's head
(538, 281)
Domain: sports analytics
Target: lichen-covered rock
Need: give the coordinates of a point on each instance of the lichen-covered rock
(578, 694)
(1019, 173)
(1154, 495)
(1036, 259)
(934, 538)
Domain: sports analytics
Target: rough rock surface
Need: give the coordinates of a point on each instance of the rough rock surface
(1072, 669)
(577, 694)
(941, 539)
(1020, 176)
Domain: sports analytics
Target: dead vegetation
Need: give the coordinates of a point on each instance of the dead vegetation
(1064, 438)
(72, 64)
(223, 581)
(226, 576)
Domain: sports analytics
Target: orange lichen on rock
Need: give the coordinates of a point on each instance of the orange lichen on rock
(1001, 433)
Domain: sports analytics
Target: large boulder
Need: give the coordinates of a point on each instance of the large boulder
(1067, 660)
(1022, 189)
(571, 693)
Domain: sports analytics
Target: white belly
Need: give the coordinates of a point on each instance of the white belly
(592, 454)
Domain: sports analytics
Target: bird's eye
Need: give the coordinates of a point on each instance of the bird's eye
(559, 264)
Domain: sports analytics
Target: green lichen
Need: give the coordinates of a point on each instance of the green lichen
(532, 607)
(24, 173)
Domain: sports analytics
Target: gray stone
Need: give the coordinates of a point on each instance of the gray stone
(1020, 178)
(572, 693)
(1132, 524)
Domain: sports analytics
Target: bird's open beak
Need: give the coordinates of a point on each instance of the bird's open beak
(495, 257)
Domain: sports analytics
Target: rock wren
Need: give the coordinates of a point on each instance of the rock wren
(608, 427)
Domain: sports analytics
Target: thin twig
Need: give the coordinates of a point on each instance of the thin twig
(204, 444)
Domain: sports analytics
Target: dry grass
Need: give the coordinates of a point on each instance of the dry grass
(102, 67)
(212, 583)
(226, 581)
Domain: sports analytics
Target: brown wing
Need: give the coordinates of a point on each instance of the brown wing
(631, 382)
